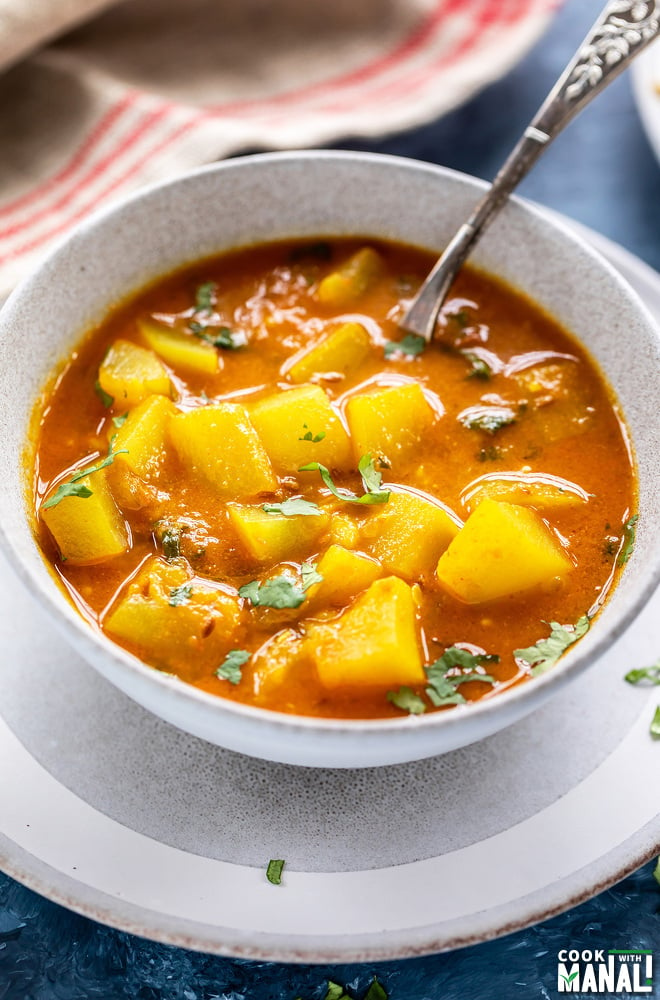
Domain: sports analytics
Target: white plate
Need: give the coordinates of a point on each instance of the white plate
(646, 89)
(119, 816)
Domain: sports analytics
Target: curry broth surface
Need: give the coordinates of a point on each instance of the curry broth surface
(570, 428)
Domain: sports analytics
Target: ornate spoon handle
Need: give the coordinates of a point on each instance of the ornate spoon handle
(624, 28)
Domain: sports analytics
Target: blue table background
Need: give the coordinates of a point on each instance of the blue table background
(602, 173)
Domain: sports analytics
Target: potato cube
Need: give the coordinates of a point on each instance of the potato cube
(345, 574)
(220, 444)
(410, 534)
(173, 618)
(180, 350)
(374, 644)
(390, 422)
(288, 422)
(341, 351)
(276, 537)
(129, 373)
(143, 435)
(348, 283)
(502, 548)
(526, 488)
(274, 663)
(88, 529)
(343, 530)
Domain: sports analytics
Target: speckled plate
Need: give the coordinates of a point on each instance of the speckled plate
(166, 836)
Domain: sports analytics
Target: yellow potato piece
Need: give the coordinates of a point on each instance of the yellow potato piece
(180, 350)
(348, 283)
(275, 537)
(168, 614)
(129, 373)
(285, 418)
(89, 529)
(144, 435)
(409, 534)
(374, 644)
(343, 530)
(345, 574)
(274, 662)
(525, 488)
(390, 422)
(220, 444)
(341, 351)
(503, 548)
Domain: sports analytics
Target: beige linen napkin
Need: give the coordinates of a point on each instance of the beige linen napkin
(135, 91)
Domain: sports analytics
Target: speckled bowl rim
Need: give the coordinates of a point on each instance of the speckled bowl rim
(130, 674)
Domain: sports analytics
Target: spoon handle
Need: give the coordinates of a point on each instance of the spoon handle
(623, 29)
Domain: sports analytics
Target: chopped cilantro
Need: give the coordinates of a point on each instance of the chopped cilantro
(205, 296)
(455, 667)
(70, 489)
(274, 871)
(104, 396)
(278, 592)
(487, 418)
(180, 595)
(412, 345)
(461, 317)
(293, 507)
(479, 368)
(406, 699)
(629, 531)
(230, 669)
(309, 575)
(314, 438)
(649, 674)
(655, 724)
(120, 421)
(220, 336)
(370, 477)
(545, 653)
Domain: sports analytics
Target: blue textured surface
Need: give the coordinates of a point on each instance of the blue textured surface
(601, 172)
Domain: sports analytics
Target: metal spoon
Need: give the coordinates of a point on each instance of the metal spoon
(623, 29)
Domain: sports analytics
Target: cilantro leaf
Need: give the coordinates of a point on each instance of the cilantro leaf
(205, 296)
(314, 438)
(230, 668)
(406, 699)
(479, 368)
(455, 667)
(629, 532)
(274, 871)
(372, 480)
(411, 344)
(376, 991)
(293, 507)
(655, 724)
(120, 421)
(487, 418)
(180, 595)
(277, 592)
(170, 539)
(68, 489)
(219, 336)
(309, 575)
(649, 674)
(545, 653)
(104, 396)
(368, 473)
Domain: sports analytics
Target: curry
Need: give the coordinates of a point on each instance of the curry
(249, 477)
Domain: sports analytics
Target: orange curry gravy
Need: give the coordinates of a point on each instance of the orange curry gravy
(495, 350)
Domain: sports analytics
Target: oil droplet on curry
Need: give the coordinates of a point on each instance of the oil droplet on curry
(248, 477)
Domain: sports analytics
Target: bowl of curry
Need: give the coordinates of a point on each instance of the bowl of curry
(278, 522)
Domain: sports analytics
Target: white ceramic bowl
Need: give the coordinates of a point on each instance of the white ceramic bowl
(273, 196)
